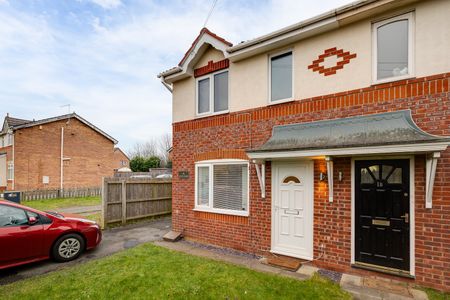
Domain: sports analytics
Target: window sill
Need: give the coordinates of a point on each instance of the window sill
(222, 211)
(392, 79)
(275, 102)
(212, 114)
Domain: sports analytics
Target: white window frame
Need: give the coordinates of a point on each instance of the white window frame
(411, 29)
(10, 171)
(211, 94)
(210, 207)
(269, 96)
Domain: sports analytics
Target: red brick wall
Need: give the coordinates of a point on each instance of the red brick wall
(37, 154)
(429, 100)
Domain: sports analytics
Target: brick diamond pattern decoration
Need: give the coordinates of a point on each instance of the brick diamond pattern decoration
(343, 58)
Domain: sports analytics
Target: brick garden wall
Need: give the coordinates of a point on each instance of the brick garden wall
(227, 136)
(37, 154)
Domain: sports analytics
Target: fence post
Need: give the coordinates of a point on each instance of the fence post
(104, 202)
(124, 202)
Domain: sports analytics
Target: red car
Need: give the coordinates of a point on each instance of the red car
(28, 235)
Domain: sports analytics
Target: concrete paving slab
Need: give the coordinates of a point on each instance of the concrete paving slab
(418, 294)
(351, 280)
(388, 286)
(307, 270)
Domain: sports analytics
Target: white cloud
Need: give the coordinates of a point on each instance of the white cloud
(107, 4)
(107, 70)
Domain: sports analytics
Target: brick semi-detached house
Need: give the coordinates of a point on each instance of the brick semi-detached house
(56, 153)
(324, 141)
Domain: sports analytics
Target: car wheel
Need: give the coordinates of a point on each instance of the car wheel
(68, 247)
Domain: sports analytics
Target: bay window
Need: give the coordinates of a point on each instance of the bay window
(222, 186)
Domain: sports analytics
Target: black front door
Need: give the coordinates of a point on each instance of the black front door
(382, 213)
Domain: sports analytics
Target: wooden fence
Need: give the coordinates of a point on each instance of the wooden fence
(125, 199)
(58, 193)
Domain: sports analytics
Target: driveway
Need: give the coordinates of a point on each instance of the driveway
(81, 209)
(114, 240)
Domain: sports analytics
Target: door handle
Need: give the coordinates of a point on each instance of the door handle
(406, 217)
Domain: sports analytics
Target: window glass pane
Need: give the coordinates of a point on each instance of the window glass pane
(386, 170)
(281, 77)
(221, 92)
(203, 186)
(10, 171)
(392, 48)
(11, 216)
(231, 187)
(366, 177)
(375, 169)
(396, 176)
(290, 179)
(203, 96)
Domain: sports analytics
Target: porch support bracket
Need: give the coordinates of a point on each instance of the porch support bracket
(329, 161)
(260, 166)
(431, 165)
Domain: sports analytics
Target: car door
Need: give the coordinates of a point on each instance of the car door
(19, 241)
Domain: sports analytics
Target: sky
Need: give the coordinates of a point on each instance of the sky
(102, 56)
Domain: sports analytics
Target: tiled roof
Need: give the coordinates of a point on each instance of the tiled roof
(15, 121)
(26, 124)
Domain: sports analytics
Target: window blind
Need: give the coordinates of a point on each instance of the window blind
(230, 186)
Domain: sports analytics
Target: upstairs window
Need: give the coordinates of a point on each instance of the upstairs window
(393, 48)
(222, 187)
(212, 93)
(281, 77)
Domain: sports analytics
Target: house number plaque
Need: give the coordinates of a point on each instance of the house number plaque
(183, 174)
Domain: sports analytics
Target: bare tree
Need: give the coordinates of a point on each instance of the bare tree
(153, 147)
(164, 144)
(144, 149)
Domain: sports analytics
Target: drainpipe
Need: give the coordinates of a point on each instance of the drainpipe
(62, 158)
(13, 161)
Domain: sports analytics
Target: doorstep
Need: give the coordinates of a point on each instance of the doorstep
(360, 287)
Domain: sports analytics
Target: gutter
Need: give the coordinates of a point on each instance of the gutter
(303, 25)
(166, 85)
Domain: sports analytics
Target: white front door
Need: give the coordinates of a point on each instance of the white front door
(293, 209)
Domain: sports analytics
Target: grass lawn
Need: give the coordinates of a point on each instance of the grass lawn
(152, 272)
(54, 204)
(436, 295)
(94, 217)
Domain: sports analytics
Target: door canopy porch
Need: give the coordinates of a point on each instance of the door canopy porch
(385, 133)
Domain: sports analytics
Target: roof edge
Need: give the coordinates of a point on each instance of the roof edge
(64, 117)
(204, 37)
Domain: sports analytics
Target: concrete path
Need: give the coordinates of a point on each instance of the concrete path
(114, 240)
(81, 209)
(360, 288)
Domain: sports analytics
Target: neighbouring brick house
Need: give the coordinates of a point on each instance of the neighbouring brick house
(60, 152)
(325, 141)
(121, 159)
